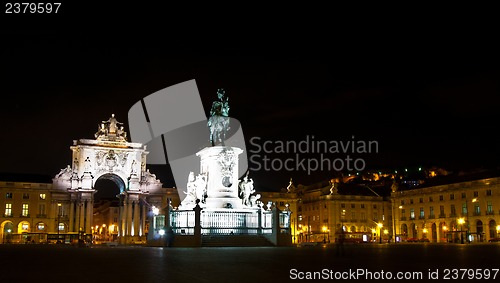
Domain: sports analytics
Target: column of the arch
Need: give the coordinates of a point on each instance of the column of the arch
(137, 218)
(89, 216)
(126, 208)
(143, 220)
(77, 216)
(81, 215)
(129, 217)
(71, 227)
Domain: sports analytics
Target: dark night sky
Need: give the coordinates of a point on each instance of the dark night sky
(428, 95)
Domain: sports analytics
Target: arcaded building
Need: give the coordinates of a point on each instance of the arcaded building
(458, 208)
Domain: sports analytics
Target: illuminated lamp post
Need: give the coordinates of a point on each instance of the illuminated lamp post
(425, 231)
(461, 221)
(444, 231)
(380, 225)
(324, 234)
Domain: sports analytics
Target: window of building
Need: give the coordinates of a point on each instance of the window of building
(342, 205)
(464, 208)
(477, 210)
(353, 215)
(403, 212)
(476, 194)
(464, 195)
(25, 211)
(374, 206)
(453, 210)
(452, 196)
(353, 205)
(8, 195)
(362, 205)
(431, 211)
(441, 210)
(61, 225)
(8, 209)
(430, 199)
(421, 200)
(363, 216)
(402, 202)
(375, 216)
(489, 208)
(488, 192)
(411, 201)
(282, 203)
(422, 213)
(41, 209)
(41, 226)
(25, 226)
(42, 196)
(441, 198)
(26, 196)
(412, 213)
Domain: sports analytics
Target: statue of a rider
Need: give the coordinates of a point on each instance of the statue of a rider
(218, 122)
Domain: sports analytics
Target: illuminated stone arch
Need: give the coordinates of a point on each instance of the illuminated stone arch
(492, 225)
(109, 156)
(404, 230)
(413, 231)
(6, 229)
(23, 226)
(40, 227)
(443, 231)
(479, 229)
(434, 232)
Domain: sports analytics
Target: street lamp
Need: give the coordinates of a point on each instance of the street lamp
(380, 225)
(461, 221)
(324, 234)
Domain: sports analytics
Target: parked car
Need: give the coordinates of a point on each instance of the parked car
(494, 240)
(424, 240)
(412, 240)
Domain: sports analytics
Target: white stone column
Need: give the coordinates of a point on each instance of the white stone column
(136, 218)
(89, 216)
(129, 218)
(124, 217)
(143, 220)
(81, 215)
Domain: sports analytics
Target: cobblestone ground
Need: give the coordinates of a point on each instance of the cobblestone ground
(411, 262)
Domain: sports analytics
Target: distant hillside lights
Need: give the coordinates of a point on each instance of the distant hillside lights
(318, 154)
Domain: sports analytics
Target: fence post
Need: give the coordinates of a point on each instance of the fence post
(259, 221)
(197, 223)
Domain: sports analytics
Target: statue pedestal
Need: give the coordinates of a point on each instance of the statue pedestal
(220, 165)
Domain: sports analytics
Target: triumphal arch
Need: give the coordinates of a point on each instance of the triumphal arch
(109, 156)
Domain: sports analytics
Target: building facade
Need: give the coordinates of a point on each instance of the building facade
(330, 211)
(29, 207)
(460, 210)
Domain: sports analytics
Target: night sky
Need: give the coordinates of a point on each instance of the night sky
(429, 96)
